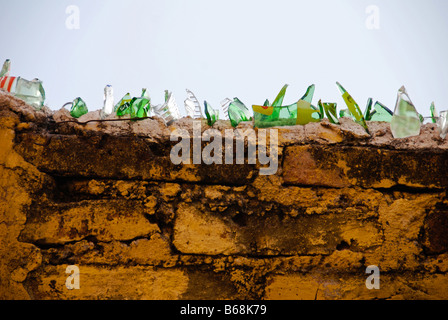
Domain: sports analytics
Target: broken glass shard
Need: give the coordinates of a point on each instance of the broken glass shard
(434, 113)
(300, 113)
(139, 107)
(169, 110)
(264, 116)
(192, 106)
(405, 121)
(330, 111)
(278, 101)
(123, 106)
(305, 113)
(381, 113)
(238, 112)
(108, 106)
(353, 107)
(422, 119)
(367, 111)
(225, 108)
(442, 124)
(6, 68)
(79, 108)
(211, 114)
(346, 113)
(32, 92)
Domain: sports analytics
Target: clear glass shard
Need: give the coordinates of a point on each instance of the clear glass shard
(108, 106)
(79, 108)
(434, 113)
(32, 92)
(330, 111)
(122, 107)
(238, 112)
(442, 124)
(381, 113)
(225, 108)
(193, 102)
(353, 107)
(6, 68)
(169, 110)
(189, 108)
(405, 121)
(211, 114)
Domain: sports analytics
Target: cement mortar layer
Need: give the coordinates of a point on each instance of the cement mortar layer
(105, 197)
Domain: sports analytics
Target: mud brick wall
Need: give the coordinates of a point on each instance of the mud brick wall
(106, 197)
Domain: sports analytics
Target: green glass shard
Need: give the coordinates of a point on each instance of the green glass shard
(309, 94)
(211, 114)
(238, 112)
(353, 107)
(367, 111)
(422, 119)
(434, 113)
(266, 103)
(381, 113)
(139, 107)
(6, 68)
(300, 113)
(405, 121)
(123, 106)
(79, 108)
(264, 116)
(279, 99)
(330, 111)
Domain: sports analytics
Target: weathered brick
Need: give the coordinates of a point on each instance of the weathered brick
(367, 167)
(103, 220)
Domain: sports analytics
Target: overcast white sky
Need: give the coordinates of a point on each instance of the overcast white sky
(230, 48)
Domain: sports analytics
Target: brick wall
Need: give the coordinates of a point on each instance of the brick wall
(106, 197)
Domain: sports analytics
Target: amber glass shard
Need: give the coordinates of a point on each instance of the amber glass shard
(353, 107)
